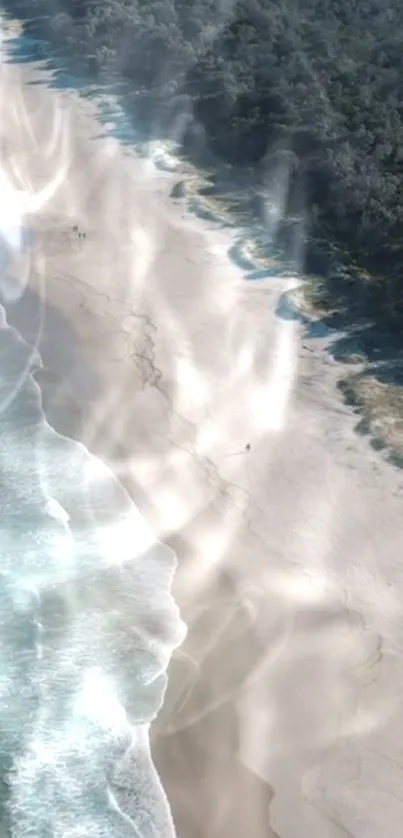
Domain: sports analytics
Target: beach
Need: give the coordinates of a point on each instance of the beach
(283, 712)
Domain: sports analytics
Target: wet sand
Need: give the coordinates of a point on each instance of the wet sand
(283, 715)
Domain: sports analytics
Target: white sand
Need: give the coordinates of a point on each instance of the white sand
(291, 574)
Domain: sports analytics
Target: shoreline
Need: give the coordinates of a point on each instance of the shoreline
(371, 363)
(64, 384)
(172, 355)
(212, 202)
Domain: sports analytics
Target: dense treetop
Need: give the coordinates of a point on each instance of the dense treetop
(313, 87)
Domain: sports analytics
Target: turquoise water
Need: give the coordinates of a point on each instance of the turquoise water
(87, 620)
(87, 627)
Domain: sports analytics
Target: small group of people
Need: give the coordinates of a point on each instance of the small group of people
(81, 234)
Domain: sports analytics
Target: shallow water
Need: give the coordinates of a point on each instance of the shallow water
(87, 621)
(324, 590)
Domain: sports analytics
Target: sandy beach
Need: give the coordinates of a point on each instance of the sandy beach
(284, 711)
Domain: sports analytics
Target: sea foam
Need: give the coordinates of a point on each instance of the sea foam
(88, 625)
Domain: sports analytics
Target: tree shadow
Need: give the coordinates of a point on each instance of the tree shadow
(259, 275)
(368, 350)
(23, 50)
(204, 212)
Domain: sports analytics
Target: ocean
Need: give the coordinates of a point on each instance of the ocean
(88, 622)
(88, 626)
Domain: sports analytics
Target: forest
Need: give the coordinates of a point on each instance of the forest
(310, 89)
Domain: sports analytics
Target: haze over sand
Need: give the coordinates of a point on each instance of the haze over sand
(290, 580)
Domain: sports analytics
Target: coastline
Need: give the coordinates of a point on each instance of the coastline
(170, 355)
(369, 353)
(44, 315)
(221, 198)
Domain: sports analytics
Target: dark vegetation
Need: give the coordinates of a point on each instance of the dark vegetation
(304, 94)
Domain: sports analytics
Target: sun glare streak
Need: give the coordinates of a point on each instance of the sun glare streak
(58, 124)
(193, 391)
(173, 510)
(57, 512)
(20, 200)
(213, 546)
(36, 202)
(211, 388)
(209, 437)
(21, 116)
(97, 700)
(29, 199)
(143, 255)
(245, 361)
(10, 212)
(269, 403)
(304, 588)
